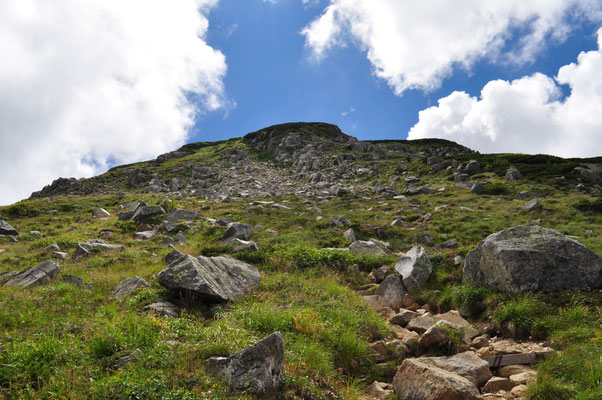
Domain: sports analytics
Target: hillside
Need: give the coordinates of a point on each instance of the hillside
(310, 216)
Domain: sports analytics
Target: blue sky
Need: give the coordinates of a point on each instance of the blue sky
(273, 79)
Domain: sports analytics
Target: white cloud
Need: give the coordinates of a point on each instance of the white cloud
(86, 83)
(416, 44)
(527, 115)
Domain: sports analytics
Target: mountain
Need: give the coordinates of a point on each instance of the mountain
(297, 262)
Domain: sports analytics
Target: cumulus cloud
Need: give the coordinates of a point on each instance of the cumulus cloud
(87, 84)
(416, 44)
(527, 115)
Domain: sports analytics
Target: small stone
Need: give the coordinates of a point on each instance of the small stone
(403, 317)
(509, 370)
(480, 341)
(374, 302)
(524, 378)
(100, 213)
(531, 205)
(128, 285)
(422, 323)
(496, 384)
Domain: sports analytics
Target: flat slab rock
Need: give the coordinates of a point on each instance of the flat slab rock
(467, 364)
(257, 369)
(128, 285)
(39, 275)
(532, 258)
(213, 279)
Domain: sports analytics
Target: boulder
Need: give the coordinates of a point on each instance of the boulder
(6, 229)
(497, 383)
(180, 238)
(472, 167)
(513, 174)
(454, 317)
(374, 302)
(350, 235)
(531, 205)
(128, 285)
(236, 230)
(243, 245)
(39, 275)
(415, 268)
(403, 317)
(380, 273)
(439, 334)
(73, 280)
(532, 258)
(213, 279)
(143, 212)
(467, 364)
(179, 215)
(8, 276)
(416, 380)
(366, 247)
(588, 175)
(174, 255)
(391, 290)
(145, 235)
(83, 249)
(257, 369)
(422, 323)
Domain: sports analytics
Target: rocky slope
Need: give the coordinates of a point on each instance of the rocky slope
(297, 262)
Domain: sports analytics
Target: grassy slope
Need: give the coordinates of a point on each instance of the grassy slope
(60, 342)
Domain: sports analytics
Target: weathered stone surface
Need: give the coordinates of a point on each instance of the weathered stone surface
(236, 230)
(380, 274)
(403, 317)
(145, 235)
(496, 383)
(83, 249)
(531, 205)
(350, 235)
(360, 247)
(39, 275)
(422, 323)
(588, 175)
(73, 280)
(8, 276)
(174, 255)
(179, 215)
(513, 174)
(257, 369)
(52, 248)
(466, 364)
(6, 229)
(509, 370)
(379, 390)
(529, 257)
(374, 302)
(243, 245)
(143, 212)
(164, 308)
(415, 268)
(472, 167)
(128, 285)
(214, 279)
(391, 290)
(454, 317)
(416, 380)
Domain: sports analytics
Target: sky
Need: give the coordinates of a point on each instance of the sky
(89, 84)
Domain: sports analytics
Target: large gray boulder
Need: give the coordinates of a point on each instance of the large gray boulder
(513, 174)
(142, 212)
(84, 249)
(417, 380)
(588, 175)
(39, 275)
(257, 369)
(236, 230)
(415, 268)
(179, 215)
(532, 258)
(213, 279)
(6, 229)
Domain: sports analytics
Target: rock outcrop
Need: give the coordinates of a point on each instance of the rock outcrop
(415, 268)
(39, 275)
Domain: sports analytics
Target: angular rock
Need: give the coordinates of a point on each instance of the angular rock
(588, 175)
(39, 275)
(438, 334)
(145, 235)
(6, 229)
(415, 268)
(513, 174)
(100, 213)
(472, 167)
(164, 308)
(179, 215)
(243, 245)
(531, 205)
(403, 317)
(257, 369)
(391, 290)
(84, 249)
(366, 247)
(174, 255)
(72, 280)
(350, 235)
(454, 317)
(496, 384)
(180, 238)
(52, 248)
(379, 390)
(380, 274)
(374, 302)
(416, 380)
(532, 258)
(144, 212)
(236, 230)
(422, 323)
(466, 364)
(128, 285)
(510, 370)
(214, 279)
(8, 276)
